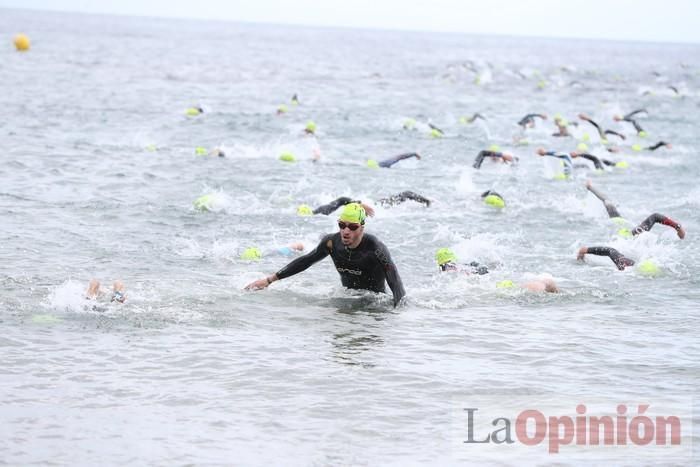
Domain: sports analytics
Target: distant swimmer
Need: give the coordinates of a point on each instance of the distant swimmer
(598, 163)
(390, 201)
(362, 261)
(494, 199)
(494, 156)
(567, 164)
(630, 118)
(387, 163)
(447, 261)
(645, 226)
(94, 291)
(473, 118)
(194, 111)
(295, 99)
(659, 145)
(562, 127)
(255, 254)
(528, 121)
(602, 133)
(436, 129)
(615, 256)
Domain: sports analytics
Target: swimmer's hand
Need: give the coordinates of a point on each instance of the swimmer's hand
(368, 209)
(581, 253)
(681, 232)
(260, 283)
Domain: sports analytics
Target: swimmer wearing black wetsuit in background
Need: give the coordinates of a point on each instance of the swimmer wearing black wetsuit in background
(386, 202)
(494, 155)
(620, 261)
(628, 118)
(646, 224)
(528, 121)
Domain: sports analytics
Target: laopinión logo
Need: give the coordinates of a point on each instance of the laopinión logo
(531, 427)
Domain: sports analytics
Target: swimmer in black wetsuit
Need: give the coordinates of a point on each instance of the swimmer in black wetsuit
(528, 121)
(658, 145)
(602, 133)
(646, 225)
(386, 202)
(94, 291)
(447, 261)
(617, 258)
(628, 118)
(598, 163)
(387, 163)
(494, 155)
(565, 160)
(473, 118)
(362, 261)
(434, 128)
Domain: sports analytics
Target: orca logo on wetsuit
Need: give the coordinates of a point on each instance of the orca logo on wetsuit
(351, 271)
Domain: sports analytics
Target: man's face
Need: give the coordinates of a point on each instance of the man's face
(348, 236)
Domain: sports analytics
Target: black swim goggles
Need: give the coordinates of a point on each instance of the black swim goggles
(352, 227)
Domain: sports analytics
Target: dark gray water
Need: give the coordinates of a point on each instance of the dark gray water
(98, 177)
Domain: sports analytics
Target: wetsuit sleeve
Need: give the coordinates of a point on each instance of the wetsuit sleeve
(608, 162)
(594, 159)
(649, 222)
(633, 113)
(392, 274)
(391, 161)
(332, 206)
(597, 127)
(656, 146)
(302, 263)
(611, 253)
(480, 159)
(611, 132)
(406, 195)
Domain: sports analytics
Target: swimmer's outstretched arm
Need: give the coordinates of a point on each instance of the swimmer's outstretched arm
(596, 162)
(433, 127)
(297, 265)
(658, 145)
(655, 218)
(333, 205)
(403, 196)
(609, 206)
(615, 133)
(393, 160)
(629, 116)
(588, 119)
(475, 116)
(342, 201)
(620, 261)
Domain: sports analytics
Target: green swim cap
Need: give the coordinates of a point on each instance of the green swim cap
(582, 147)
(624, 232)
(192, 111)
(622, 165)
(251, 254)
(463, 120)
(282, 109)
(619, 220)
(636, 147)
(648, 268)
(523, 142)
(304, 210)
(494, 148)
(495, 201)
(541, 84)
(372, 164)
(201, 151)
(435, 133)
(506, 284)
(310, 126)
(642, 134)
(409, 123)
(444, 256)
(151, 147)
(585, 137)
(354, 213)
(287, 156)
(204, 203)
(560, 176)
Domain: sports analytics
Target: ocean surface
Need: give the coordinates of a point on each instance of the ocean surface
(98, 177)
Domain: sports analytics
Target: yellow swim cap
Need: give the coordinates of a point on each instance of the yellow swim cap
(204, 203)
(201, 151)
(282, 109)
(304, 210)
(495, 201)
(506, 284)
(354, 213)
(444, 256)
(582, 147)
(494, 148)
(435, 133)
(560, 176)
(642, 134)
(287, 156)
(409, 123)
(619, 220)
(372, 164)
(463, 120)
(251, 254)
(648, 268)
(622, 165)
(151, 147)
(310, 126)
(192, 111)
(636, 147)
(585, 137)
(624, 233)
